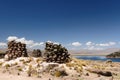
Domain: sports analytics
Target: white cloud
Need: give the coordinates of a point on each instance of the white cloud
(112, 43)
(53, 42)
(22, 40)
(2, 44)
(11, 38)
(36, 44)
(106, 44)
(30, 43)
(76, 44)
(89, 43)
(94, 48)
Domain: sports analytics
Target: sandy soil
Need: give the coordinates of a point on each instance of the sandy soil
(35, 69)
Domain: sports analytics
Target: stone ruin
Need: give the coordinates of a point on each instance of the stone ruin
(56, 53)
(53, 52)
(36, 53)
(16, 49)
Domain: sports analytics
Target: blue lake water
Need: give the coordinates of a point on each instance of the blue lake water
(102, 58)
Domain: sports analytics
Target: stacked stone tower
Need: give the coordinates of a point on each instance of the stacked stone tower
(16, 49)
(56, 53)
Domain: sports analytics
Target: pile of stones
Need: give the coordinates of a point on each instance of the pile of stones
(36, 53)
(56, 53)
(16, 49)
(53, 52)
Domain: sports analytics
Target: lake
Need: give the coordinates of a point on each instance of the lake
(102, 58)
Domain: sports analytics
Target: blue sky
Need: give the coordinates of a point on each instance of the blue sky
(64, 21)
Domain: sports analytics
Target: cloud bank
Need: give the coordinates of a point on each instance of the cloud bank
(106, 44)
(76, 44)
(73, 45)
(89, 43)
(30, 43)
(3, 44)
(98, 46)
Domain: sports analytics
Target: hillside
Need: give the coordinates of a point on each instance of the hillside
(93, 52)
(114, 55)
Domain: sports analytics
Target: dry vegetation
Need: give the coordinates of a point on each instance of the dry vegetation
(74, 70)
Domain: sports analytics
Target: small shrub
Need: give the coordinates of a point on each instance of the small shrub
(7, 66)
(22, 60)
(29, 72)
(19, 69)
(57, 74)
(60, 73)
(1, 63)
(38, 60)
(15, 64)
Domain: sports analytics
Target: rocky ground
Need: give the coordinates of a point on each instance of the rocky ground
(29, 68)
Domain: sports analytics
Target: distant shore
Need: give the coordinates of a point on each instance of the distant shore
(88, 55)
